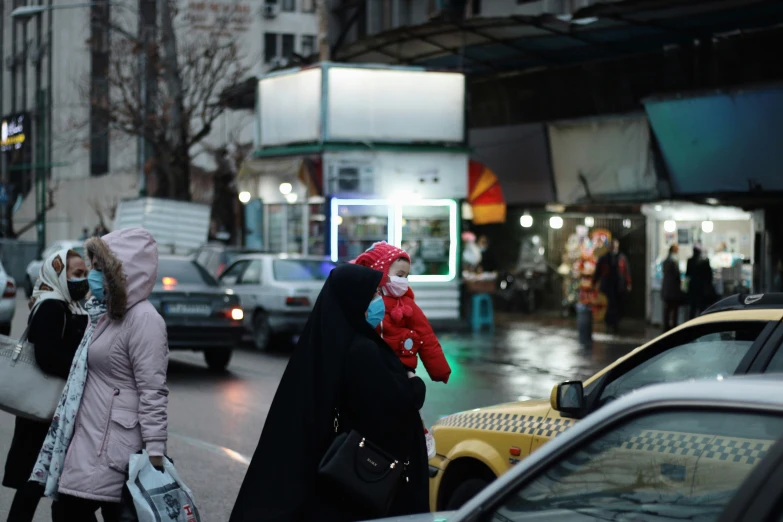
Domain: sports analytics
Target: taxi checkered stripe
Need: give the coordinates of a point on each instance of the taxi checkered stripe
(743, 451)
(508, 422)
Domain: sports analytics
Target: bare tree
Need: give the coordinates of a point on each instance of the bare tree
(190, 68)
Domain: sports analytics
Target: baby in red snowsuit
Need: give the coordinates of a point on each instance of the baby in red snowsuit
(405, 328)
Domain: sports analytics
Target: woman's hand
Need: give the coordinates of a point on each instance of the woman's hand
(157, 463)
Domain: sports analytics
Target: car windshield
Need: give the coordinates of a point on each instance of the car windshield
(683, 464)
(172, 272)
(301, 270)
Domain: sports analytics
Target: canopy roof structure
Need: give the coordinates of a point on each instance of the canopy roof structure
(603, 31)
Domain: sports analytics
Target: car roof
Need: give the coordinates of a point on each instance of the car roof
(772, 300)
(295, 257)
(736, 392)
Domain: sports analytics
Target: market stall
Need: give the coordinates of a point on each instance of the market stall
(725, 235)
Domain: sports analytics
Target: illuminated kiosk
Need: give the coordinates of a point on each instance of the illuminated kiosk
(347, 155)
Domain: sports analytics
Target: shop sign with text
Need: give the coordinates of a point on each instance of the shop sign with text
(13, 131)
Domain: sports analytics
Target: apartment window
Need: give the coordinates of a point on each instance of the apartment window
(308, 45)
(308, 6)
(288, 46)
(289, 5)
(270, 46)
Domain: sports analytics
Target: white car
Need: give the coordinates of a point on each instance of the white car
(703, 450)
(277, 292)
(34, 268)
(8, 301)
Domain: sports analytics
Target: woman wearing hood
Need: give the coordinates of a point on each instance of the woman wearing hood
(55, 328)
(340, 365)
(115, 400)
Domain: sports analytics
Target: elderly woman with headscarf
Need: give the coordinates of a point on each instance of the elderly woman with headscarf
(340, 365)
(56, 326)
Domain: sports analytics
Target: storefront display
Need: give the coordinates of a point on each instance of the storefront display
(583, 249)
(426, 229)
(725, 236)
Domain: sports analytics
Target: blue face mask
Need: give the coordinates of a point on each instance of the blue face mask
(95, 279)
(376, 311)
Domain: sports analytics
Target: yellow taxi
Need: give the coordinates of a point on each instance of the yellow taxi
(738, 335)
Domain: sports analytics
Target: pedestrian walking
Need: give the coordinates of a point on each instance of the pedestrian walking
(613, 278)
(701, 293)
(341, 374)
(671, 289)
(115, 399)
(55, 328)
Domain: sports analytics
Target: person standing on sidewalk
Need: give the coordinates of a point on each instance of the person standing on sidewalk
(613, 278)
(115, 400)
(671, 289)
(701, 293)
(55, 328)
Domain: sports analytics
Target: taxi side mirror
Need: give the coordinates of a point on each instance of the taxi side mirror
(568, 397)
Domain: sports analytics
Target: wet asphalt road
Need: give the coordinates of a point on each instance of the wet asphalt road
(215, 420)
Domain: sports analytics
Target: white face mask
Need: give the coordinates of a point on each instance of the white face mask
(397, 286)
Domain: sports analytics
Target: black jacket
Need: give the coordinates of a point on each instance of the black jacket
(671, 287)
(339, 363)
(700, 289)
(55, 347)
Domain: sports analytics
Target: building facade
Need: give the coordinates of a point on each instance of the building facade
(54, 62)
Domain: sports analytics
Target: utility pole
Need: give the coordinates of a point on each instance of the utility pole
(323, 31)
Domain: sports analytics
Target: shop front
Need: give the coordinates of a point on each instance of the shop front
(725, 235)
(335, 170)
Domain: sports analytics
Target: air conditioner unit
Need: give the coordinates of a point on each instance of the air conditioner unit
(353, 179)
(270, 10)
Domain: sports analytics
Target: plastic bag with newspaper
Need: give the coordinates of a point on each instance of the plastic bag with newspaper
(159, 495)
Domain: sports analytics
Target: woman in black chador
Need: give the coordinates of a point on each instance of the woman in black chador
(340, 363)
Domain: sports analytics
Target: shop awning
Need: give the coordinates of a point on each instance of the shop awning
(600, 160)
(307, 170)
(485, 195)
(721, 143)
(603, 31)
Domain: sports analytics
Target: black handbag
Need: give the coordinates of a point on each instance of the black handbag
(363, 471)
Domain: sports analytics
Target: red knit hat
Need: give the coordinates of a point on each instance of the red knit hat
(380, 257)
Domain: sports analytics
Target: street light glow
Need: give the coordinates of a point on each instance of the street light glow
(244, 197)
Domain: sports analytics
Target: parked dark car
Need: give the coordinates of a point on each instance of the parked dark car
(216, 257)
(200, 315)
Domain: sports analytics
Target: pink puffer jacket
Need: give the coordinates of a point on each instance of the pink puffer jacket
(125, 398)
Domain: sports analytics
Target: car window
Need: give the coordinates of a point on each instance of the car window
(172, 272)
(710, 355)
(252, 275)
(231, 276)
(301, 270)
(202, 257)
(676, 465)
(776, 364)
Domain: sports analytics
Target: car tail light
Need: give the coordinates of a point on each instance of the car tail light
(237, 314)
(10, 290)
(297, 301)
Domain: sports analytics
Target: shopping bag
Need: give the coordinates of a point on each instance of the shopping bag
(159, 495)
